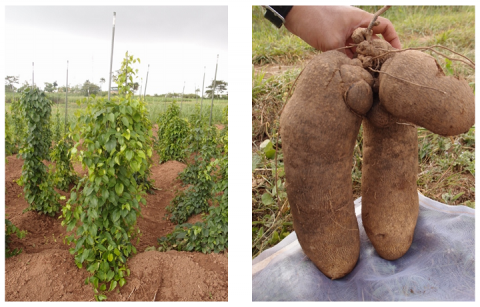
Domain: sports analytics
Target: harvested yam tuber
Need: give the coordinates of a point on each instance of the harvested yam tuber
(391, 92)
(443, 105)
(412, 89)
(389, 187)
(318, 136)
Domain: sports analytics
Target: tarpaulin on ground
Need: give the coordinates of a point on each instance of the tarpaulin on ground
(439, 266)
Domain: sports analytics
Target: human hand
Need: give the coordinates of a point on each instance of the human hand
(330, 27)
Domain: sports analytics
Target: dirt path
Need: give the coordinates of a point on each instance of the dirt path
(45, 270)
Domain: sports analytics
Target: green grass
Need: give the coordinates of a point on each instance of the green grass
(417, 26)
(432, 25)
(155, 108)
(273, 45)
(155, 105)
(450, 26)
(446, 165)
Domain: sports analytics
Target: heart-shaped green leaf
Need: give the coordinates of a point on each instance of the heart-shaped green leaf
(119, 188)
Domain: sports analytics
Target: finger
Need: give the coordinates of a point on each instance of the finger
(349, 53)
(346, 51)
(352, 50)
(388, 32)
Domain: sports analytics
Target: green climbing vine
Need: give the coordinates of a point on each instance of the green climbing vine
(211, 234)
(203, 147)
(18, 127)
(104, 206)
(10, 230)
(172, 134)
(63, 174)
(57, 134)
(10, 148)
(37, 182)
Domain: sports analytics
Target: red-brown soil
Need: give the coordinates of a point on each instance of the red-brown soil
(45, 270)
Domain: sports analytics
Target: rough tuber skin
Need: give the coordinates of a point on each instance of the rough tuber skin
(318, 136)
(444, 105)
(391, 92)
(389, 187)
(358, 95)
(379, 117)
(412, 88)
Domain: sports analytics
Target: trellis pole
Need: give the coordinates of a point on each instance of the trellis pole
(213, 91)
(203, 86)
(66, 101)
(111, 57)
(33, 82)
(183, 91)
(145, 91)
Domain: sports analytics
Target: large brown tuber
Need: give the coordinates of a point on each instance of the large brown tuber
(318, 136)
(389, 187)
(412, 89)
(443, 105)
(392, 92)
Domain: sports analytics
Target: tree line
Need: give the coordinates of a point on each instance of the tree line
(90, 88)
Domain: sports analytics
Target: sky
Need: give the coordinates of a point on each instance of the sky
(180, 43)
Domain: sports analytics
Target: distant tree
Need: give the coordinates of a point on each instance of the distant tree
(76, 89)
(49, 87)
(86, 88)
(89, 88)
(102, 81)
(24, 86)
(54, 85)
(135, 86)
(220, 87)
(9, 83)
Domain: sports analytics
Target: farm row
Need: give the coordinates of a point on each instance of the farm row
(113, 140)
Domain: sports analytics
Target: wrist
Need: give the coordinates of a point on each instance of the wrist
(276, 14)
(306, 22)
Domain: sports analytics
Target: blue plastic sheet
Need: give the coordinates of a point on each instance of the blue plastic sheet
(439, 266)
